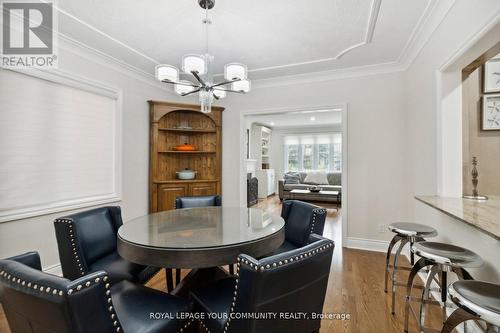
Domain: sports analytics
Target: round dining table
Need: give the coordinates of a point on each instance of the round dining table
(201, 239)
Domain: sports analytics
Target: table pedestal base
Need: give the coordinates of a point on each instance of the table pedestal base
(198, 278)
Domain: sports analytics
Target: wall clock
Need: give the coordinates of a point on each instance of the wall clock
(491, 113)
(491, 80)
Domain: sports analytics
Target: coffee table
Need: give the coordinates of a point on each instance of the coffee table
(296, 193)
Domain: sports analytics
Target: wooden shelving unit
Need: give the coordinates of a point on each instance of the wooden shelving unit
(187, 130)
(187, 152)
(166, 132)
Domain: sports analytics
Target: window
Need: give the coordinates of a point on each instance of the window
(59, 148)
(323, 156)
(305, 152)
(293, 158)
(307, 157)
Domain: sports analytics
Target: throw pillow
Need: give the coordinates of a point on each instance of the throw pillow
(316, 178)
(291, 178)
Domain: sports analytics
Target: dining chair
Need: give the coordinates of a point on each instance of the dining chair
(198, 201)
(290, 282)
(193, 202)
(87, 244)
(301, 220)
(37, 302)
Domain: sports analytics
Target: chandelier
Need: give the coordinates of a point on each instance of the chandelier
(200, 67)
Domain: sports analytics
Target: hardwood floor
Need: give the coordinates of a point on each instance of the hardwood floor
(355, 288)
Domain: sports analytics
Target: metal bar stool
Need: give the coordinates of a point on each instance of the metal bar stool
(442, 258)
(404, 233)
(476, 300)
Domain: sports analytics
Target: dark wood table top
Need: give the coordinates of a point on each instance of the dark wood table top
(200, 237)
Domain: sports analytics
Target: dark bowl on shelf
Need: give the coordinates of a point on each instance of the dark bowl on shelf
(315, 189)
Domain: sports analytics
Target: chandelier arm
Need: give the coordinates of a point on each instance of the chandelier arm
(225, 82)
(181, 83)
(195, 74)
(191, 92)
(233, 91)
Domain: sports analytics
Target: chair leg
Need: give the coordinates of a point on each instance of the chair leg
(177, 276)
(421, 263)
(404, 241)
(169, 278)
(456, 318)
(393, 242)
(426, 294)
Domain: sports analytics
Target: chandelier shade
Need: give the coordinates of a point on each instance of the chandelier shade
(235, 71)
(184, 87)
(241, 86)
(200, 67)
(219, 93)
(167, 72)
(194, 63)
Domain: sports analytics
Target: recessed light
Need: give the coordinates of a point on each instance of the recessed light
(271, 123)
(312, 118)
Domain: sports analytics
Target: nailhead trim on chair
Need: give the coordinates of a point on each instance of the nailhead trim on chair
(316, 211)
(49, 290)
(263, 268)
(73, 244)
(29, 285)
(204, 327)
(107, 295)
(186, 325)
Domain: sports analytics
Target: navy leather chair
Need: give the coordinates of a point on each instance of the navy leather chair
(301, 220)
(197, 201)
(87, 244)
(193, 202)
(291, 282)
(37, 302)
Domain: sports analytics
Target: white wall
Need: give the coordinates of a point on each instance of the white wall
(376, 148)
(37, 233)
(434, 128)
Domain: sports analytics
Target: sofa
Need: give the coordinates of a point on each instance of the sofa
(334, 184)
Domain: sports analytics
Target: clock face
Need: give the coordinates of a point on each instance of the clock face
(491, 112)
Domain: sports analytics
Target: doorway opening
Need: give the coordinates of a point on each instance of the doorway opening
(289, 152)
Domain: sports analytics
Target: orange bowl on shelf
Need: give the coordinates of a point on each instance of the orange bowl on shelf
(185, 147)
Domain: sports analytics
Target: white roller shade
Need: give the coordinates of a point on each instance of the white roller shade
(59, 147)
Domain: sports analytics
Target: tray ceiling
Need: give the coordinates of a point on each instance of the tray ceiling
(274, 38)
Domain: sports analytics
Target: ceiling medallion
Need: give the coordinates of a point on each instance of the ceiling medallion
(200, 67)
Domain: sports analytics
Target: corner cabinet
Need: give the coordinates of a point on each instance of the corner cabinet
(174, 124)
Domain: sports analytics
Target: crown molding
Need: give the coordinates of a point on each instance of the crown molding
(433, 15)
(370, 29)
(104, 59)
(337, 74)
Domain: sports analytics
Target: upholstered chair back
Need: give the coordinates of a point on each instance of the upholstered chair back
(37, 302)
(291, 282)
(197, 201)
(91, 235)
(301, 220)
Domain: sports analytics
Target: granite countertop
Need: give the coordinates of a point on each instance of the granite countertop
(483, 215)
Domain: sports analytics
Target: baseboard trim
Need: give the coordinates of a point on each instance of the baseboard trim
(367, 244)
(54, 269)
